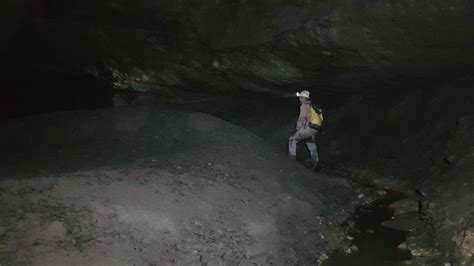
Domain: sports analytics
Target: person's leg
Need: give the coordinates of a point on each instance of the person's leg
(313, 151)
(295, 139)
(292, 144)
(313, 148)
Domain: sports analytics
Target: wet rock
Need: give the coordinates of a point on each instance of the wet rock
(354, 248)
(408, 222)
(420, 251)
(422, 244)
(403, 246)
(404, 206)
(429, 205)
(465, 242)
(323, 257)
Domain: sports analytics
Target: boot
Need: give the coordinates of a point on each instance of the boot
(315, 165)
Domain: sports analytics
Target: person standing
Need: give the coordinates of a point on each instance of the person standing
(308, 124)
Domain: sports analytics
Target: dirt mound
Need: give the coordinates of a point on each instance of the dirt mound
(183, 188)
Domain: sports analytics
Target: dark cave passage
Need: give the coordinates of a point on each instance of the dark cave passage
(36, 93)
(192, 102)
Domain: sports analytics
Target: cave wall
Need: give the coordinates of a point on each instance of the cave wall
(190, 48)
(344, 46)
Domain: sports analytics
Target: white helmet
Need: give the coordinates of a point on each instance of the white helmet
(304, 93)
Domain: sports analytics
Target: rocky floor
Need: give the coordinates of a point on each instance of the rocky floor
(147, 186)
(216, 195)
(189, 214)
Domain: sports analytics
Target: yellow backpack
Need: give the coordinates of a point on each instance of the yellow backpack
(317, 117)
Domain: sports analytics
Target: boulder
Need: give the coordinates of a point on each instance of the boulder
(408, 222)
(404, 206)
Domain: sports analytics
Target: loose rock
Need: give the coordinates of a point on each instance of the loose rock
(354, 248)
(404, 206)
(403, 246)
(407, 222)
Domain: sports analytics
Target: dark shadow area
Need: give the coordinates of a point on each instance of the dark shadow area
(31, 93)
(373, 244)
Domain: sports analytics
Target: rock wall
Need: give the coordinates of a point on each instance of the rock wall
(180, 48)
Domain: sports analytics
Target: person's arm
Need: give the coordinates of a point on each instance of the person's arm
(303, 118)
